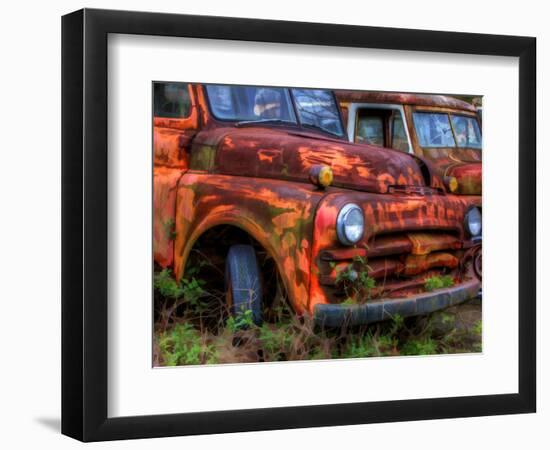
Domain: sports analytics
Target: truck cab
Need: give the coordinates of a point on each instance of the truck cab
(444, 130)
(256, 176)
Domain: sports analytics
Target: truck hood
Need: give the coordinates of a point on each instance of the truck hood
(463, 164)
(289, 154)
(468, 176)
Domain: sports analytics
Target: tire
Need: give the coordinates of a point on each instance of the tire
(243, 282)
(477, 264)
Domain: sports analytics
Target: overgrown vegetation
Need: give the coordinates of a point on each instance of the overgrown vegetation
(355, 279)
(182, 344)
(438, 282)
(193, 326)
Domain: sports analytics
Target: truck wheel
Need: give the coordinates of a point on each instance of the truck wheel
(477, 264)
(243, 283)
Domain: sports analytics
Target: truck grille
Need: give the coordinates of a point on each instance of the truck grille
(397, 261)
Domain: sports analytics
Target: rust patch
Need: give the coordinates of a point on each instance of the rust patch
(424, 243)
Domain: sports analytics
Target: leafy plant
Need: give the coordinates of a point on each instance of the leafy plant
(243, 320)
(360, 347)
(438, 282)
(191, 289)
(167, 285)
(188, 292)
(397, 324)
(448, 319)
(184, 345)
(275, 341)
(355, 279)
(426, 346)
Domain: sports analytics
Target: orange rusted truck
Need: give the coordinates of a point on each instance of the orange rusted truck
(444, 130)
(265, 175)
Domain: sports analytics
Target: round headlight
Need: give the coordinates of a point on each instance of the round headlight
(350, 224)
(472, 221)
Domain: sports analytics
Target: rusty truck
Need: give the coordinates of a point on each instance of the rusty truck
(441, 129)
(355, 232)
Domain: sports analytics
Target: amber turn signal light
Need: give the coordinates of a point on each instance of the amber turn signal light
(321, 175)
(452, 183)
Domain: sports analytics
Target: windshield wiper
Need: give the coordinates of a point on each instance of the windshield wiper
(244, 123)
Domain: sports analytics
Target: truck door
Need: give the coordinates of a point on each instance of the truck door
(175, 122)
(382, 127)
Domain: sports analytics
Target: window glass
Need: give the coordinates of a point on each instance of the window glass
(317, 108)
(248, 103)
(467, 131)
(370, 130)
(171, 100)
(399, 135)
(433, 130)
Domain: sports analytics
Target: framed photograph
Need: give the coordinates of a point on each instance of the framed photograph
(273, 225)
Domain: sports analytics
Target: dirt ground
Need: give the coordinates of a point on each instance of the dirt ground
(466, 315)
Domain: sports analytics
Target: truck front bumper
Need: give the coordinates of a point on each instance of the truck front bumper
(336, 315)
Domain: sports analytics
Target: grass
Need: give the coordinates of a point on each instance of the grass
(186, 338)
(193, 325)
(297, 339)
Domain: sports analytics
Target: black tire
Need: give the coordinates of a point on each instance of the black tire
(243, 282)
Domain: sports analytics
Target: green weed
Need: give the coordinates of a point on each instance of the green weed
(477, 328)
(355, 279)
(438, 282)
(424, 346)
(241, 321)
(181, 338)
(183, 345)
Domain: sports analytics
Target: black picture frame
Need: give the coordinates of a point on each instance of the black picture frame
(84, 224)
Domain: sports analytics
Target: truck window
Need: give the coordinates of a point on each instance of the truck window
(433, 129)
(370, 130)
(250, 103)
(317, 108)
(466, 131)
(383, 127)
(399, 139)
(171, 100)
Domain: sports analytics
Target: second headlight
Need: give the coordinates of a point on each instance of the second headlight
(350, 224)
(472, 221)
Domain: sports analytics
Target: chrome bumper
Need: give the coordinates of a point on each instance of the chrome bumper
(336, 315)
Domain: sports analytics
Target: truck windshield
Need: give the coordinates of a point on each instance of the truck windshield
(434, 130)
(444, 130)
(255, 104)
(467, 131)
(317, 108)
(247, 103)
